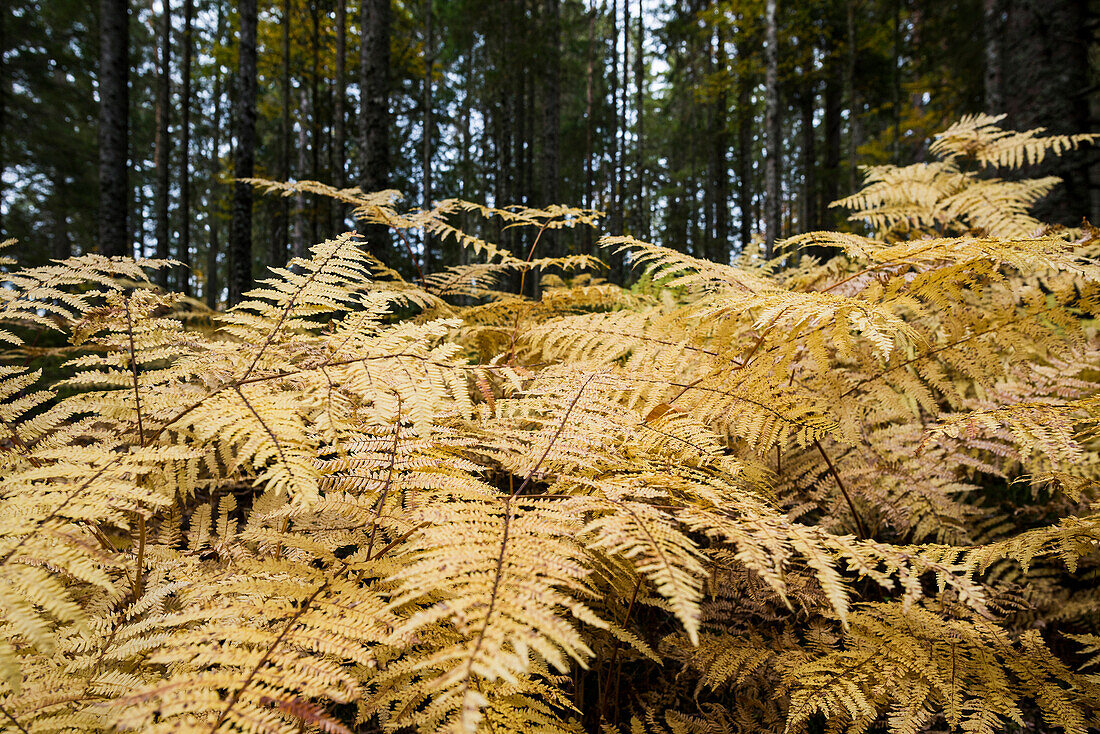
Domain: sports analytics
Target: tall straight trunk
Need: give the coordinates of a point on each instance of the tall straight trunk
(279, 242)
(298, 239)
(240, 238)
(895, 102)
(992, 28)
(613, 180)
(314, 116)
(855, 101)
(214, 201)
(114, 103)
(551, 121)
(162, 143)
(721, 159)
(744, 152)
(809, 160)
(339, 170)
(642, 223)
(3, 110)
(184, 255)
(772, 130)
(426, 150)
(830, 185)
(374, 114)
(589, 73)
(624, 90)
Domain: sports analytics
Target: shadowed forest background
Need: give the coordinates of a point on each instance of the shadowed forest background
(662, 115)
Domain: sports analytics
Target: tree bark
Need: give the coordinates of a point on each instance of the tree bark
(3, 110)
(214, 209)
(184, 255)
(772, 130)
(298, 238)
(589, 74)
(240, 241)
(991, 25)
(551, 121)
(374, 115)
(855, 101)
(744, 149)
(114, 102)
(426, 150)
(162, 141)
(721, 159)
(279, 243)
(642, 223)
(809, 160)
(339, 173)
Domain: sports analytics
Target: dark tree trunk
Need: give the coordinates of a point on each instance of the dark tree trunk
(426, 150)
(855, 100)
(114, 102)
(339, 172)
(280, 236)
(315, 117)
(298, 238)
(809, 160)
(992, 27)
(588, 123)
(772, 130)
(374, 114)
(240, 238)
(744, 152)
(184, 255)
(214, 202)
(3, 110)
(642, 223)
(721, 160)
(162, 142)
(551, 120)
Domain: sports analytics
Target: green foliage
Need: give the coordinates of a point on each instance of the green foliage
(758, 499)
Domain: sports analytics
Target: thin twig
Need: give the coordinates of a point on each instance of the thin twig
(860, 529)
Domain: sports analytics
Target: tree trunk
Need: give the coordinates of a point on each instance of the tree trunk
(298, 239)
(830, 185)
(642, 223)
(184, 255)
(114, 103)
(551, 121)
(162, 142)
(855, 101)
(744, 150)
(240, 240)
(426, 150)
(589, 74)
(214, 201)
(374, 115)
(314, 118)
(991, 25)
(339, 172)
(809, 160)
(720, 164)
(3, 111)
(772, 130)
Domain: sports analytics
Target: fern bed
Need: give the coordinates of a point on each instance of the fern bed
(798, 495)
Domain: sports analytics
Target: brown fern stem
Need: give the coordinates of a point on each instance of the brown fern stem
(134, 372)
(266, 656)
(286, 312)
(611, 672)
(389, 478)
(13, 720)
(554, 438)
(861, 531)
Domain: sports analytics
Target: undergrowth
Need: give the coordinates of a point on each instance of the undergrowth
(764, 496)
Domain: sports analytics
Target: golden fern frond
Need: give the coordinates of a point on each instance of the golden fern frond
(978, 137)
